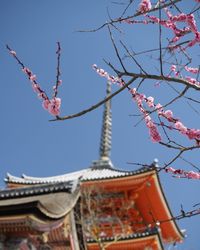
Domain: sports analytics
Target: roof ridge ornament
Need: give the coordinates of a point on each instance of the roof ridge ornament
(106, 136)
(106, 131)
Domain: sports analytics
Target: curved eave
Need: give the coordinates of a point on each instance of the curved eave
(131, 242)
(14, 181)
(28, 222)
(51, 205)
(90, 174)
(140, 183)
(154, 207)
(126, 180)
(180, 235)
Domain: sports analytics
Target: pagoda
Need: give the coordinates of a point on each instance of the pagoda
(100, 207)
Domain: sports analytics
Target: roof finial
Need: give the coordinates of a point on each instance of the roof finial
(106, 132)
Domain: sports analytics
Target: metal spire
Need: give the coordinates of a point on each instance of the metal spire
(106, 132)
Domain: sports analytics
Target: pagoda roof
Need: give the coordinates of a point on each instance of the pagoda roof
(146, 236)
(98, 171)
(39, 198)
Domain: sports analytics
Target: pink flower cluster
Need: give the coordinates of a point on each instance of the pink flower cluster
(109, 77)
(13, 53)
(144, 6)
(139, 98)
(180, 173)
(53, 105)
(192, 134)
(192, 70)
(173, 69)
(171, 23)
(191, 80)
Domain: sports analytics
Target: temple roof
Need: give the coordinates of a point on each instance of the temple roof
(153, 231)
(137, 241)
(69, 187)
(40, 198)
(96, 172)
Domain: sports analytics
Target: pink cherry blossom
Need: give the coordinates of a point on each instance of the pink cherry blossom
(192, 175)
(173, 67)
(54, 106)
(133, 91)
(154, 134)
(59, 82)
(159, 108)
(180, 173)
(36, 87)
(12, 52)
(32, 78)
(192, 23)
(145, 6)
(170, 169)
(150, 101)
(193, 134)
(192, 70)
(27, 71)
(109, 77)
(168, 114)
(45, 104)
(191, 80)
(179, 125)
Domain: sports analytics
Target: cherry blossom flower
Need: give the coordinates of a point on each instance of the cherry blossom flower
(59, 82)
(179, 125)
(150, 101)
(192, 70)
(32, 78)
(173, 67)
(12, 52)
(53, 105)
(45, 104)
(27, 71)
(168, 114)
(109, 77)
(154, 134)
(180, 173)
(191, 80)
(145, 6)
(36, 87)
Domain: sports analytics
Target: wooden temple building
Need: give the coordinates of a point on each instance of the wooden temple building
(100, 207)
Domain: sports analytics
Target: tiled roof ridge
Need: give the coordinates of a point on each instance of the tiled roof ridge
(146, 233)
(37, 190)
(37, 180)
(83, 175)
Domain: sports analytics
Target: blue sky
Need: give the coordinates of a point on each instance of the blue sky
(32, 145)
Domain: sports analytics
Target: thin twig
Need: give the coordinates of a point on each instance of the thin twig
(58, 52)
(116, 50)
(160, 42)
(133, 58)
(119, 20)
